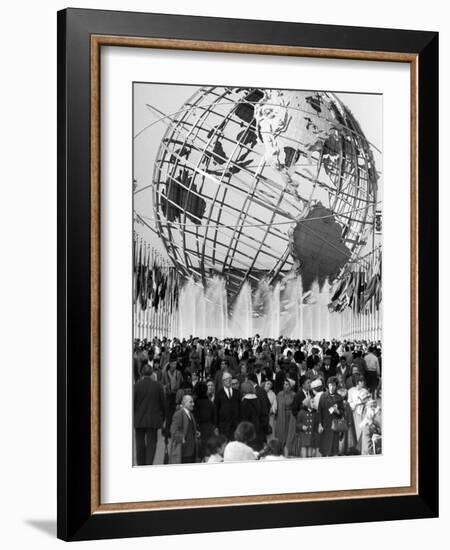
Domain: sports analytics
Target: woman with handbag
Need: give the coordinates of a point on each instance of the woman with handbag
(331, 420)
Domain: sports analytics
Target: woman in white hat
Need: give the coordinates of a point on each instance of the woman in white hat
(317, 390)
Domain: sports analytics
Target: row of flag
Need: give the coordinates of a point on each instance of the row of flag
(153, 284)
(359, 288)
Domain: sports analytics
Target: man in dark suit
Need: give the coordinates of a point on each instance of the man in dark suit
(227, 403)
(327, 369)
(259, 373)
(278, 379)
(149, 411)
(343, 368)
(312, 359)
(303, 392)
(261, 394)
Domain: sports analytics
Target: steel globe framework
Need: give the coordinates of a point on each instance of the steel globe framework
(239, 171)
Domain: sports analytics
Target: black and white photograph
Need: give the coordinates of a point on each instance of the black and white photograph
(257, 274)
(223, 255)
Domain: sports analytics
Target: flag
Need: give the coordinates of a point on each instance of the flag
(360, 290)
(350, 288)
(135, 271)
(150, 279)
(137, 289)
(142, 279)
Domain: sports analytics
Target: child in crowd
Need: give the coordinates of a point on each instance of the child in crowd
(306, 434)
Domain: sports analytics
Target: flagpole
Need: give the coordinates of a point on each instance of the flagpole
(155, 286)
(134, 286)
(138, 266)
(144, 313)
(138, 316)
(166, 317)
(158, 295)
(153, 316)
(168, 301)
(165, 299)
(149, 297)
(372, 304)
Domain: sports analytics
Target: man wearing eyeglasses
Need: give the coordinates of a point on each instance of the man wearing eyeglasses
(227, 407)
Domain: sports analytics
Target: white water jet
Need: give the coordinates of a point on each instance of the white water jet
(275, 314)
(315, 311)
(324, 300)
(290, 321)
(216, 307)
(272, 310)
(241, 325)
(263, 308)
(191, 310)
(299, 306)
(203, 312)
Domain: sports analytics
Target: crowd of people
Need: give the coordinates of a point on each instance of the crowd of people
(239, 399)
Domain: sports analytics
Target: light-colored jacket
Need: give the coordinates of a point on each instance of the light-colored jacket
(236, 451)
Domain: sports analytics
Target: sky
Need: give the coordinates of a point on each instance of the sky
(147, 135)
